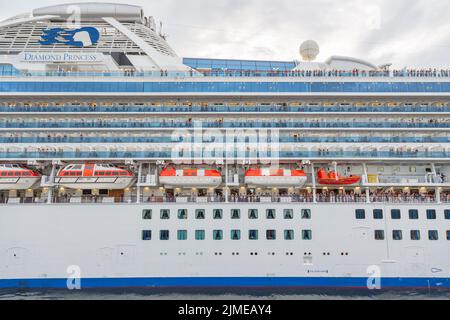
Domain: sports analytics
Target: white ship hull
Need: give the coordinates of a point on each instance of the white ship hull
(95, 183)
(191, 182)
(276, 182)
(41, 245)
(18, 183)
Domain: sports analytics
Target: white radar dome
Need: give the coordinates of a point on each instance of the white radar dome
(309, 50)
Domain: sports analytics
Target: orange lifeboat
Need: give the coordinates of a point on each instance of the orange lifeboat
(275, 178)
(16, 177)
(190, 178)
(94, 176)
(333, 178)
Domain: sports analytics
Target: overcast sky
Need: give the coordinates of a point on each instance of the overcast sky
(412, 33)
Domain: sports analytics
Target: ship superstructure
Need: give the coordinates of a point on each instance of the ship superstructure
(141, 168)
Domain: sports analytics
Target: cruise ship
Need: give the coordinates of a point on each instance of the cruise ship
(123, 164)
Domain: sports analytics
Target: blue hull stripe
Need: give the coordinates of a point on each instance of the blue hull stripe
(227, 282)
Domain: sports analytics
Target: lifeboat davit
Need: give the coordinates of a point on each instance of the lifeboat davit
(190, 178)
(94, 176)
(16, 177)
(276, 178)
(333, 178)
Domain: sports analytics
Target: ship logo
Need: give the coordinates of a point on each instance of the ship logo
(80, 38)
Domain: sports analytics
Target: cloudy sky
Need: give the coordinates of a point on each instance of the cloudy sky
(412, 33)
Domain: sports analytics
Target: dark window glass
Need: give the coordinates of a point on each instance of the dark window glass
(217, 214)
(415, 234)
(288, 214)
(306, 213)
(182, 214)
(431, 214)
(447, 214)
(360, 214)
(235, 214)
(413, 214)
(433, 235)
(218, 235)
(253, 214)
(270, 213)
(378, 214)
(379, 234)
(397, 235)
(395, 214)
(146, 214)
(164, 235)
(146, 235)
(253, 234)
(288, 234)
(271, 234)
(165, 214)
(200, 214)
(235, 234)
(306, 234)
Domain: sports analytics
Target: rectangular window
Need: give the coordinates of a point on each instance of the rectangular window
(395, 214)
(377, 214)
(413, 214)
(433, 235)
(288, 234)
(253, 234)
(448, 234)
(182, 234)
(271, 234)
(164, 235)
(199, 234)
(270, 214)
(431, 214)
(288, 214)
(200, 214)
(182, 214)
(306, 235)
(146, 235)
(360, 214)
(397, 235)
(306, 214)
(253, 214)
(235, 213)
(146, 214)
(217, 214)
(235, 234)
(415, 235)
(447, 214)
(379, 234)
(165, 214)
(217, 235)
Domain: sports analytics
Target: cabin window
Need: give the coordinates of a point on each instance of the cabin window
(182, 234)
(217, 235)
(182, 214)
(164, 235)
(235, 213)
(415, 235)
(217, 214)
(270, 213)
(271, 234)
(448, 234)
(413, 214)
(146, 235)
(395, 214)
(200, 214)
(235, 234)
(431, 214)
(146, 214)
(397, 235)
(377, 214)
(253, 234)
(253, 214)
(288, 214)
(360, 214)
(447, 214)
(433, 235)
(306, 213)
(165, 214)
(288, 234)
(379, 234)
(199, 234)
(306, 234)
(101, 173)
